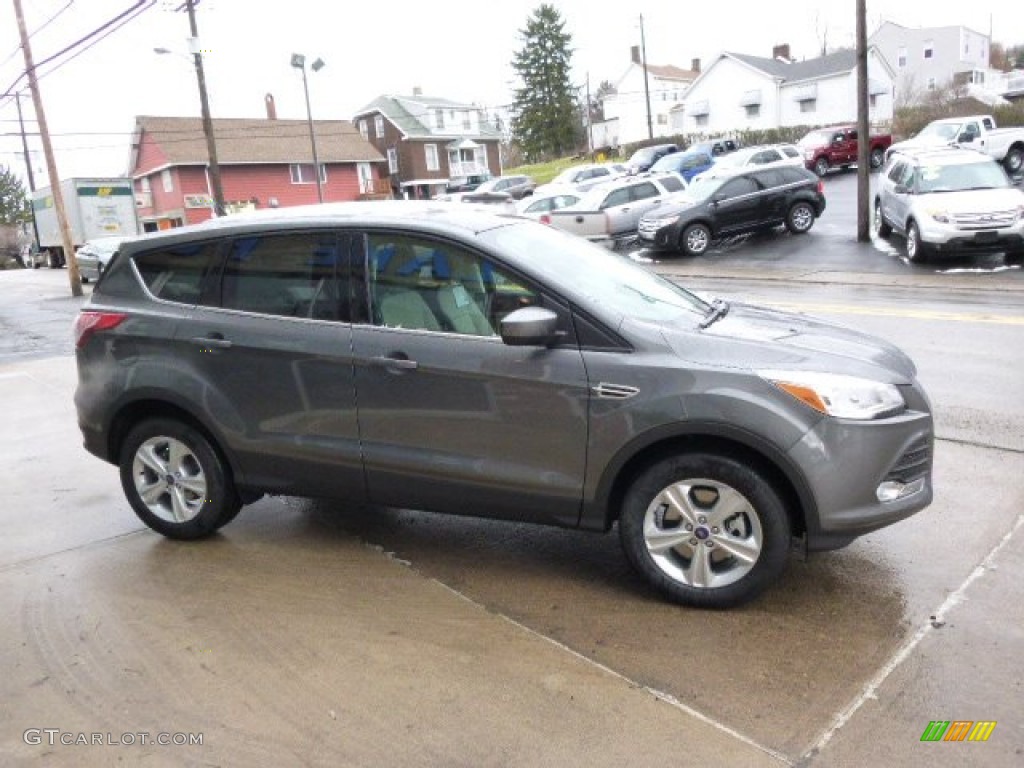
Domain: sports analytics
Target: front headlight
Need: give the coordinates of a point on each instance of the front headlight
(808, 154)
(940, 215)
(666, 221)
(835, 394)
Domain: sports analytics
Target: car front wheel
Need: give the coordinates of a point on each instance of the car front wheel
(175, 481)
(917, 251)
(705, 530)
(696, 239)
(800, 218)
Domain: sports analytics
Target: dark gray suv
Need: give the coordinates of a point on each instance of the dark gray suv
(457, 360)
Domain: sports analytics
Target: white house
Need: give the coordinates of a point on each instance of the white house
(926, 58)
(740, 92)
(625, 111)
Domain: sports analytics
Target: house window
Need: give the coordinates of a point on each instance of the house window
(167, 179)
(302, 173)
(662, 119)
(700, 120)
(466, 122)
(439, 118)
(873, 98)
(901, 57)
(145, 185)
(378, 126)
(392, 160)
(363, 130)
(753, 110)
(929, 48)
(809, 105)
(430, 150)
(931, 83)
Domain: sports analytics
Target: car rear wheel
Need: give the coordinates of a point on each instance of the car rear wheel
(882, 228)
(800, 218)
(175, 481)
(821, 166)
(696, 239)
(706, 530)
(917, 251)
(876, 159)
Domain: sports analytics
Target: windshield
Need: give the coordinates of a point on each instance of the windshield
(488, 186)
(568, 176)
(668, 163)
(956, 178)
(641, 156)
(940, 130)
(703, 187)
(605, 281)
(815, 139)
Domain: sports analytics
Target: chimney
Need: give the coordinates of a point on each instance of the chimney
(268, 100)
(781, 52)
(634, 54)
(417, 91)
(695, 65)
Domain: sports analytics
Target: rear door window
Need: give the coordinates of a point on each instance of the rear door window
(289, 275)
(671, 183)
(644, 191)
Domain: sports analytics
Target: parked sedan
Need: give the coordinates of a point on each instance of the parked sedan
(687, 164)
(94, 255)
(645, 157)
(744, 202)
(517, 187)
(536, 206)
(759, 156)
(583, 177)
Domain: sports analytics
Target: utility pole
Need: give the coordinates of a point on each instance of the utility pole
(51, 163)
(863, 145)
(590, 123)
(647, 89)
(29, 171)
(219, 207)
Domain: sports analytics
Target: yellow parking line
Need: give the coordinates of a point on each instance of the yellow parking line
(916, 314)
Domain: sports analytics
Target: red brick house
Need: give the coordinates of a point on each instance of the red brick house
(264, 163)
(430, 142)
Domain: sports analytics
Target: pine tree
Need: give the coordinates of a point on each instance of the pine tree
(545, 119)
(13, 201)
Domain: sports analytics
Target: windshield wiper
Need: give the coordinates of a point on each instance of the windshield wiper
(719, 309)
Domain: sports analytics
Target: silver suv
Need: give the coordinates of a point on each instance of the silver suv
(447, 358)
(949, 199)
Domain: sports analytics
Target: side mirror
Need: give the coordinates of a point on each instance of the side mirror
(966, 137)
(529, 327)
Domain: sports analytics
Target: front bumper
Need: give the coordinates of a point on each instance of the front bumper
(944, 237)
(659, 235)
(850, 465)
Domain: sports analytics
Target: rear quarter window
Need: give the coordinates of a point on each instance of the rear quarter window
(671, 183)
(176, 272)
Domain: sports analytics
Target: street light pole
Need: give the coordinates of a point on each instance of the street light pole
(299, 62)
(219, 207)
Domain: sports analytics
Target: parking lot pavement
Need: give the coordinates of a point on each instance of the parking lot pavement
(287, 642)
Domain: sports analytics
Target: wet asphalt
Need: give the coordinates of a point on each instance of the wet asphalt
(314, 632)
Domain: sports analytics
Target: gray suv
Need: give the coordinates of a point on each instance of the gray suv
(453, 359)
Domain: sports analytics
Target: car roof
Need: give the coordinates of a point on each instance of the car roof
(944, 155)
(429, 215)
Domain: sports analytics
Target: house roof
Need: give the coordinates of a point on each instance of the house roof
(809, 69)
(408, 113)
(245, 140)
(670, 72)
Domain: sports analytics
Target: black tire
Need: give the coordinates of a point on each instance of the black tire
(876, 159)
(800, 218)
(158, 449)
(882, 228)
(917, 251)
(1014, 161)
(53, 260)
(756, 523)
(821, 166)
(695, 240)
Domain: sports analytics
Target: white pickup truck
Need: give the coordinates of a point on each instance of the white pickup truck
(974, 132)
(613, 210)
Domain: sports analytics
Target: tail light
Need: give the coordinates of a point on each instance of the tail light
(87, 323)
(545, 219)
(821, 187)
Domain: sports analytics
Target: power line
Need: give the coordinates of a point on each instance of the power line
(44, 25)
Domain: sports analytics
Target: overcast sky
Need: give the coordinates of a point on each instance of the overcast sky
(459, 49)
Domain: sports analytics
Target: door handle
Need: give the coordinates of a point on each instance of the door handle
(213, 341)
(395, 363)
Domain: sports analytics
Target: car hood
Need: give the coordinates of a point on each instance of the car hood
(762, 338)
(974, 200)
(920, 141)
(672, 207)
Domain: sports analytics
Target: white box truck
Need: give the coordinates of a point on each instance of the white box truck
(96, 207)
